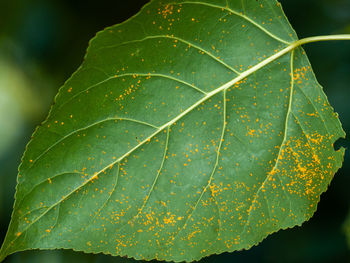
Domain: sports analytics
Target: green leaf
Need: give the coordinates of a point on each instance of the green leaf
(194, 128)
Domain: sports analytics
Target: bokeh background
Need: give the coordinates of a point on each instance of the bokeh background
(42, 42)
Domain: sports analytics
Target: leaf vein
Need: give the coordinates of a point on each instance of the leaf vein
(190, 44)
(134, 74)
(280, 148)
(213, 170)
(108, 198)
(240, 15)
(87, 127)
(154, 181)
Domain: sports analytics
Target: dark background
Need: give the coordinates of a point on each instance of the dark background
(42, 42)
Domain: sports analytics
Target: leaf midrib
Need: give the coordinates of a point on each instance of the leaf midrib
(168, 124)
(227, 85)
(183, 41)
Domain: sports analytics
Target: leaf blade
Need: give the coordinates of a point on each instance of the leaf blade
(139, 140)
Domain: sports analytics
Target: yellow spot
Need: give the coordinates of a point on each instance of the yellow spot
(251, 132)
(95, 176)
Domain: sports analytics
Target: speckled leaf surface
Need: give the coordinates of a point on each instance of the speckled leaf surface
(148, 152)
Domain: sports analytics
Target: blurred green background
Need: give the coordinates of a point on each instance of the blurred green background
(42, 42)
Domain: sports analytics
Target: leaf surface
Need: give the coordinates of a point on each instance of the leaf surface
(179, 137)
